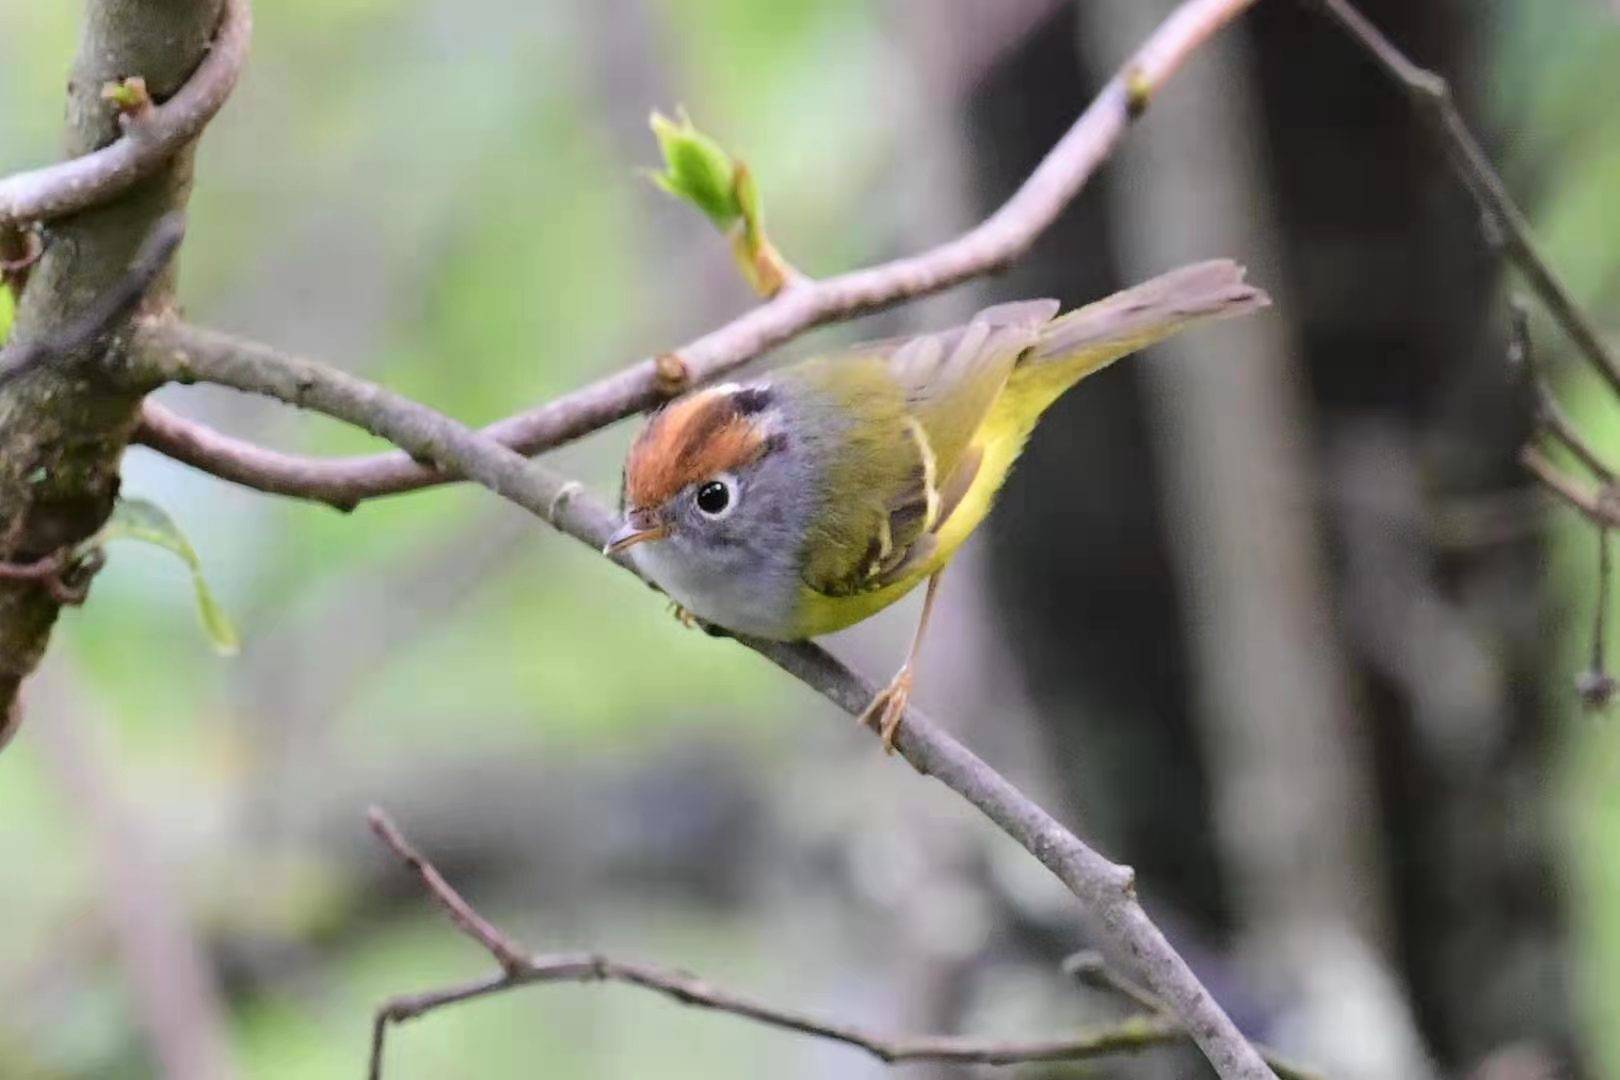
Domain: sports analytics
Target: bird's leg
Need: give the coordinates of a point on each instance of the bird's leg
(682, 616)
(890, 704)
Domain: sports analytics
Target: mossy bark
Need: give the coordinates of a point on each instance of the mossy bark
(63, 427)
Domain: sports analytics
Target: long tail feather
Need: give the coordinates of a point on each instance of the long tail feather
(1127, 321)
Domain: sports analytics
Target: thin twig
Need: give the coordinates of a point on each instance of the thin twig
(993, 244)
(108, 311)
(520, 969)
(1600, 507)
(1550, 415)
(149, 139)
(1596, 685)
(1506, 227)
(1505, 222)
(468, 921)
(1089, 967)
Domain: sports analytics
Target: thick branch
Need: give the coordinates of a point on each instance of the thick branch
(1507, 224)
(519, 968)
(151, 136)
(991, 245)
(180, 353)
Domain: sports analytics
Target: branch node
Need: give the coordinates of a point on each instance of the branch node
(131, 99)
(559, 500)
(671, 374)
(1431, 86)
(1138, 92)
(1596, 688)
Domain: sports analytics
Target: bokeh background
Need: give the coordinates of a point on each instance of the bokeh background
(1271, 614)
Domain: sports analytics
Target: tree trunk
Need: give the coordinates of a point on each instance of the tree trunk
(63, 427)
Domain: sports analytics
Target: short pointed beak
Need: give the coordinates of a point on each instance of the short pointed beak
(635, 530)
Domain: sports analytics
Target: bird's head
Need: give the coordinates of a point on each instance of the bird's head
(698, 477)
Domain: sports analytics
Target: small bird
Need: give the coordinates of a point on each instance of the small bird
(812, 498)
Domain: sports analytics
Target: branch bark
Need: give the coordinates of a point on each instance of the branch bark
(64, 424)
(987, 247)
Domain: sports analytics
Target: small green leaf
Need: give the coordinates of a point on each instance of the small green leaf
(137, 519)
(8, 311)
(696, 169)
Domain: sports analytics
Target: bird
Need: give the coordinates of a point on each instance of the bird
(804, 501)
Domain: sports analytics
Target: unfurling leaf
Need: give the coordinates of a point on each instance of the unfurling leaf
(137, 519)
(696, 168)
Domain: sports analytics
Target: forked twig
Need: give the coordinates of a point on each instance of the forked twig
(518, 969)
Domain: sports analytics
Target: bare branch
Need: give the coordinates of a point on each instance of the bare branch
(803, 304)
(468, 921)
(151, 137)
(105, 314)
(1600, 507)
(520, 969)
(1550, 415)
(1505, 223)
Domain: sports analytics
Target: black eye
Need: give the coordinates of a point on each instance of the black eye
(713, 498)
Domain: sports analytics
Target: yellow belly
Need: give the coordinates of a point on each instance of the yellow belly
(1027, 395)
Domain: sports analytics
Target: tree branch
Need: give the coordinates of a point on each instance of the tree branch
(151, 136)
(1506, 224)
(1507, 229)
(1596, 505)
(519, 968)
(804, 304)
(176, 352)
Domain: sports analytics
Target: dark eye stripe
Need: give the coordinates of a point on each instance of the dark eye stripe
(752, 399)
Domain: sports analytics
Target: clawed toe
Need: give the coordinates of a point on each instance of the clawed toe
(887, 708)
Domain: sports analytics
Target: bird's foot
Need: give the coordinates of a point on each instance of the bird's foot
(888, 707)
(682, 616)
